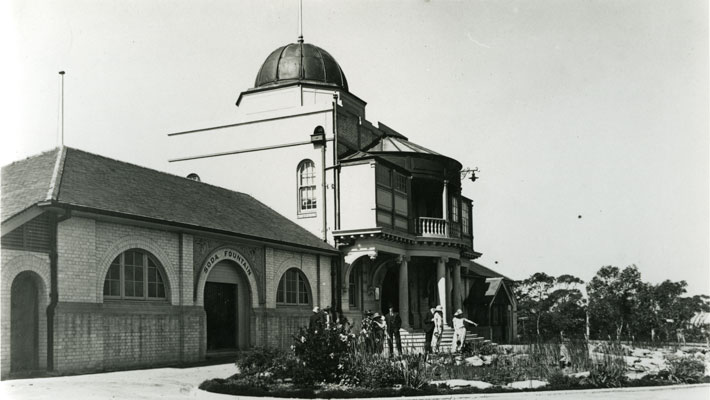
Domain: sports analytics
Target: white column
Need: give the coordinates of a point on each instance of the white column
(404, 290)
(441, 282)
(457, 285)
(444, 201)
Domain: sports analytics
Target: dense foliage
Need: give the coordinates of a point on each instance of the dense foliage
(619, 305)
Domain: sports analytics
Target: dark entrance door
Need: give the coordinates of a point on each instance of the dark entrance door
(221, 310)
(24, 320)
(390, 290)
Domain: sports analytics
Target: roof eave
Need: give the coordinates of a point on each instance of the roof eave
(186, 226)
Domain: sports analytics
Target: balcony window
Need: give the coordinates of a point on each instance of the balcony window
(400, 182)
(383, 176)
(454, 208)
(465, 219)
(306, 187)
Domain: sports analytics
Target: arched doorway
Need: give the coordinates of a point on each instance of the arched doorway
(24, 323)
(390, 290)
(227, 301)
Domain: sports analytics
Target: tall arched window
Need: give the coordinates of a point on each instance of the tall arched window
(306, 187)
(134, 275)
(293, 288)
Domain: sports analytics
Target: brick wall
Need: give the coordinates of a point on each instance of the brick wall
(91, 334)
(95, 337)
(15, 262)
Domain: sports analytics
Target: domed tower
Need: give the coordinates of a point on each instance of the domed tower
(300, 62)
(302, 68)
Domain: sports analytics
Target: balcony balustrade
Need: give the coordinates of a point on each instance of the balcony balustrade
(432, 227)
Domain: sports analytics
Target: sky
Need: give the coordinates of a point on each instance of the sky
(587, 119)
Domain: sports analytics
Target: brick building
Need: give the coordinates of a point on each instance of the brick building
(110, 265)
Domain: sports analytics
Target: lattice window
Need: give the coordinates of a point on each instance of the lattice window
(134, 275)
(307, 202)
(293, 288)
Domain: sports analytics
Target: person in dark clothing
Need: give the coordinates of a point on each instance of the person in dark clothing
(379, 327)
(316, 321)
(428, 330)
(394, 323)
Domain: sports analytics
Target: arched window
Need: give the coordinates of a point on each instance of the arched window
(293, 288)
(306, 187)
(134, 275)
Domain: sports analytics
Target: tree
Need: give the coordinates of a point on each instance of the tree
(663, 309)
(555, 304)
(613, 299)
(531, 295)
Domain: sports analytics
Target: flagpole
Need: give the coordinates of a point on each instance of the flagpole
(300, 21)
(61, 104)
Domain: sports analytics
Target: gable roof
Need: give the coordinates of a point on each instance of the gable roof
(26, 183)
(485, 272)
(90, 182)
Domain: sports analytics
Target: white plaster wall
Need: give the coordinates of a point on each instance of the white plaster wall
(357, 196)
(295, 128)
(270, 176)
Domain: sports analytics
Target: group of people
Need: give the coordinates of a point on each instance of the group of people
(375, 327)
(434, 329)
(325, 318)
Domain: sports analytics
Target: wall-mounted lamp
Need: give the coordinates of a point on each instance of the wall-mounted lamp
(472, 172)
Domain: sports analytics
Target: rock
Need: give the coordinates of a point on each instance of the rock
(474, 361)
(631, 360)
(635, 375)
(531, 384)
(463, 383)
(638, 368)
(640, 352)
(487, 360)
(582, 374)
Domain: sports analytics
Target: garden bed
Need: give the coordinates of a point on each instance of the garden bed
(331, 363)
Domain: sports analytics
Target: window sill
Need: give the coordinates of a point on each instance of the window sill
(304, 306)
(307, 215)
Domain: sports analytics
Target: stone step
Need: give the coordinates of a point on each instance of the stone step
(414, 341)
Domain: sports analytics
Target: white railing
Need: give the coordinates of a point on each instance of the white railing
(432, 227)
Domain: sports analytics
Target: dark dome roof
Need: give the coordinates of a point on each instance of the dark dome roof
(300, 62)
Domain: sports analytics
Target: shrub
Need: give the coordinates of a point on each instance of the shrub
(267, 363)
(686, 370)
(321, 354)
(558, 380)
(373, 371)
(414, 370)
(487, 349)
(607, 375)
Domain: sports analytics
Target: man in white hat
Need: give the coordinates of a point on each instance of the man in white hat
(438, 327)
(459, 330)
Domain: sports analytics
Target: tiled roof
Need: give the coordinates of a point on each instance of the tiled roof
(398, 145)
(26, 183)
(493, 285)
(479, 269)
(92, 182)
